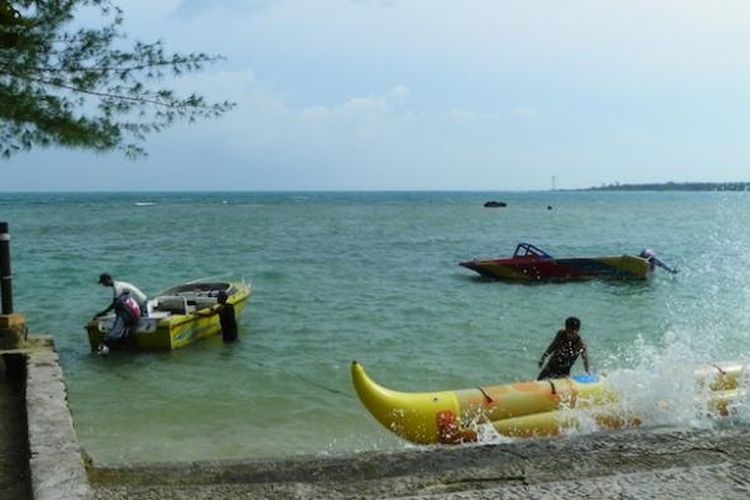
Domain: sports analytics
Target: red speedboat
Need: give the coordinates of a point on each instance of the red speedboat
(531, 264)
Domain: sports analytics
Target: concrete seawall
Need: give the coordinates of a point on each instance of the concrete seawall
(48, 462)
(53, 458)
(629, 464)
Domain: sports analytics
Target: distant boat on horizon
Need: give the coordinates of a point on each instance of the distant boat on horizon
(495, 204)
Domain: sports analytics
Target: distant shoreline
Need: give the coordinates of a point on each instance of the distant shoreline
(675, 186)
(666, 186)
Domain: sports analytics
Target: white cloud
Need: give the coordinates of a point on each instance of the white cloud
(387, 102)
(379, 94)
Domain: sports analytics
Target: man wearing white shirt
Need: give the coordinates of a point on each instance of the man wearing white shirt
(118, 288)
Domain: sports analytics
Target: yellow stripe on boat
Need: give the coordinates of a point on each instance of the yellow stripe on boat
(554, 423)
(628, 265)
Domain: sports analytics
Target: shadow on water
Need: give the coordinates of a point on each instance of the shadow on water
(615, 286)
(627, 288)
(14, 446)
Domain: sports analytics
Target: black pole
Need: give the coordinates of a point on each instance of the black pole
(5, 277)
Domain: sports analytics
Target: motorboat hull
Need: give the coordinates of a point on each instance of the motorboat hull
(180, 316)
(532, 269)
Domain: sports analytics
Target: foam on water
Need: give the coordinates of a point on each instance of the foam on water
(662, 388)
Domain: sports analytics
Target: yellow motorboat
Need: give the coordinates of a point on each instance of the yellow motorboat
(524, 409)
(177, 316)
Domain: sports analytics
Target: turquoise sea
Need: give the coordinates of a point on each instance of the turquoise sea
(372, 277)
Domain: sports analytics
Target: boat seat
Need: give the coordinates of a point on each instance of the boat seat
(204, 302)
(173, 304)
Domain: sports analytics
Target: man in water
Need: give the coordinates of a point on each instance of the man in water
(226, 317)
(563, 352)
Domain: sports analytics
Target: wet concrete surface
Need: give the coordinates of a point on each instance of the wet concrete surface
(656, 463)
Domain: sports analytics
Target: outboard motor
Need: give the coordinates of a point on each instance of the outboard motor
(650, 256)
(647, 254)
(127, 313)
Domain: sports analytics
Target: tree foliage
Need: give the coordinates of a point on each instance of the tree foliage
(75, 87)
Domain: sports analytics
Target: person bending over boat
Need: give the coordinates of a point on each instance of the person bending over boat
(118, 288)
(563, 352)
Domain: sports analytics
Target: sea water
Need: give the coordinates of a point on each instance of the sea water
(372, 277)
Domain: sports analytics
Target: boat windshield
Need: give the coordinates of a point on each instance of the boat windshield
(529, 250)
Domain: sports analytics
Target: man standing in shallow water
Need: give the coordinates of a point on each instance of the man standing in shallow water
(227, 319)
(563, 352)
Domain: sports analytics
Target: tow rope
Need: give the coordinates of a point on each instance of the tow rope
(488, 399)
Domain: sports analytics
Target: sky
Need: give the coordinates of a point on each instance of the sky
(436, 95)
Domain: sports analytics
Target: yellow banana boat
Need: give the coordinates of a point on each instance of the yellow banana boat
(523, 409)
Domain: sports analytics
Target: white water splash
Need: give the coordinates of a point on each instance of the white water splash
(662, 388)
